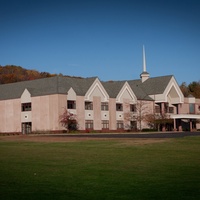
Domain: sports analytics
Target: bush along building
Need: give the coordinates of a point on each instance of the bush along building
(155, 103)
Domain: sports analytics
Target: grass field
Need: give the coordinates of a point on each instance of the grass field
(100, 169)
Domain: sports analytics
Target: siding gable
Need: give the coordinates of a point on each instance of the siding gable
(126, 93)
(97, 89)
(26, 96)
(71, 95)
(173, 92)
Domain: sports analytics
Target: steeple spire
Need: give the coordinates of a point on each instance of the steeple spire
(144, 60)
(144, 75)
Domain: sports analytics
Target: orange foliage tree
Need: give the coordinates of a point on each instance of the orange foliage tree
(68, 121)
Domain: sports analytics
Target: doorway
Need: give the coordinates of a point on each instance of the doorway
(26, 127)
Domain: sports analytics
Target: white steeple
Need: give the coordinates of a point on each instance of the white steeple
(144, 75)
(144, 60)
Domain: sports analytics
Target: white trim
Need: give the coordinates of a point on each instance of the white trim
(185, 116)
(125, 87)
(97, 84)
(174, 84)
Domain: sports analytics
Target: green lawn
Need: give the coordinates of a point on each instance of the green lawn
(112, 169)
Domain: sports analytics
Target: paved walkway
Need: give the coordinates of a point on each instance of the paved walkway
(129, 135)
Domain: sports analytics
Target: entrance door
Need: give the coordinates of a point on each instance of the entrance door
(133, 125)
(26, 127)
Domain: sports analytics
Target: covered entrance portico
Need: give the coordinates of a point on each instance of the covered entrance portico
(185, 122)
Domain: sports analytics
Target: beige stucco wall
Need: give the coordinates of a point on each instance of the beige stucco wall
(112, 114)
(184, 108)
(46, 111)
(80, 109)
(126, 111)
(97, 112)
(10, 118)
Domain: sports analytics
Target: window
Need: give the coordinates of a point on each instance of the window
(133, 125)
(26, 107)
(104, 106)
(166, 107)
(105, 124)
(71, 104)
(157, 109)
(89, 124)
(120, 124)
(132, 107)
(119, 107)
(191, 108)
(88, 106)
(171, 110)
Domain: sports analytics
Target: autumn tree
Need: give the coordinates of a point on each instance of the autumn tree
(68, 121)
(159, 121)
(191, 89)
(184, 89)
(194, 89)
(12, 73)
(141, 110)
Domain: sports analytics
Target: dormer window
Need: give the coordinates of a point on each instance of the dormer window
(104, 106)
(88, 105)
(171, 109)
(71, 104)
(26, 107)
(119, 107)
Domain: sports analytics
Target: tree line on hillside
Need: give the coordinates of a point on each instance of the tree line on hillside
(12, 73)
(191, 89)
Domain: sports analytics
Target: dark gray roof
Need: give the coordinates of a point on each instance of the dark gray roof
(35, 87)
(62, 84)
(46, 86)
(136, 86)
(79, 85)
(156, 85)
(113, 87)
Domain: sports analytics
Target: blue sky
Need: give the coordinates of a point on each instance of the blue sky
(102, 38)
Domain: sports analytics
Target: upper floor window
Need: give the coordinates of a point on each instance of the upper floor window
(104, 106)
(132, 107)
(88, 106)
(171, 109)
(166, 107)
(71, 104)
(157, 109)
(119, 107)
(191, 108)
(26, 107)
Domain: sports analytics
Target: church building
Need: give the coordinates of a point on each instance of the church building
(111, 106)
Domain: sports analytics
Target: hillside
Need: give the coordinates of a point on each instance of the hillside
(12, 73)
